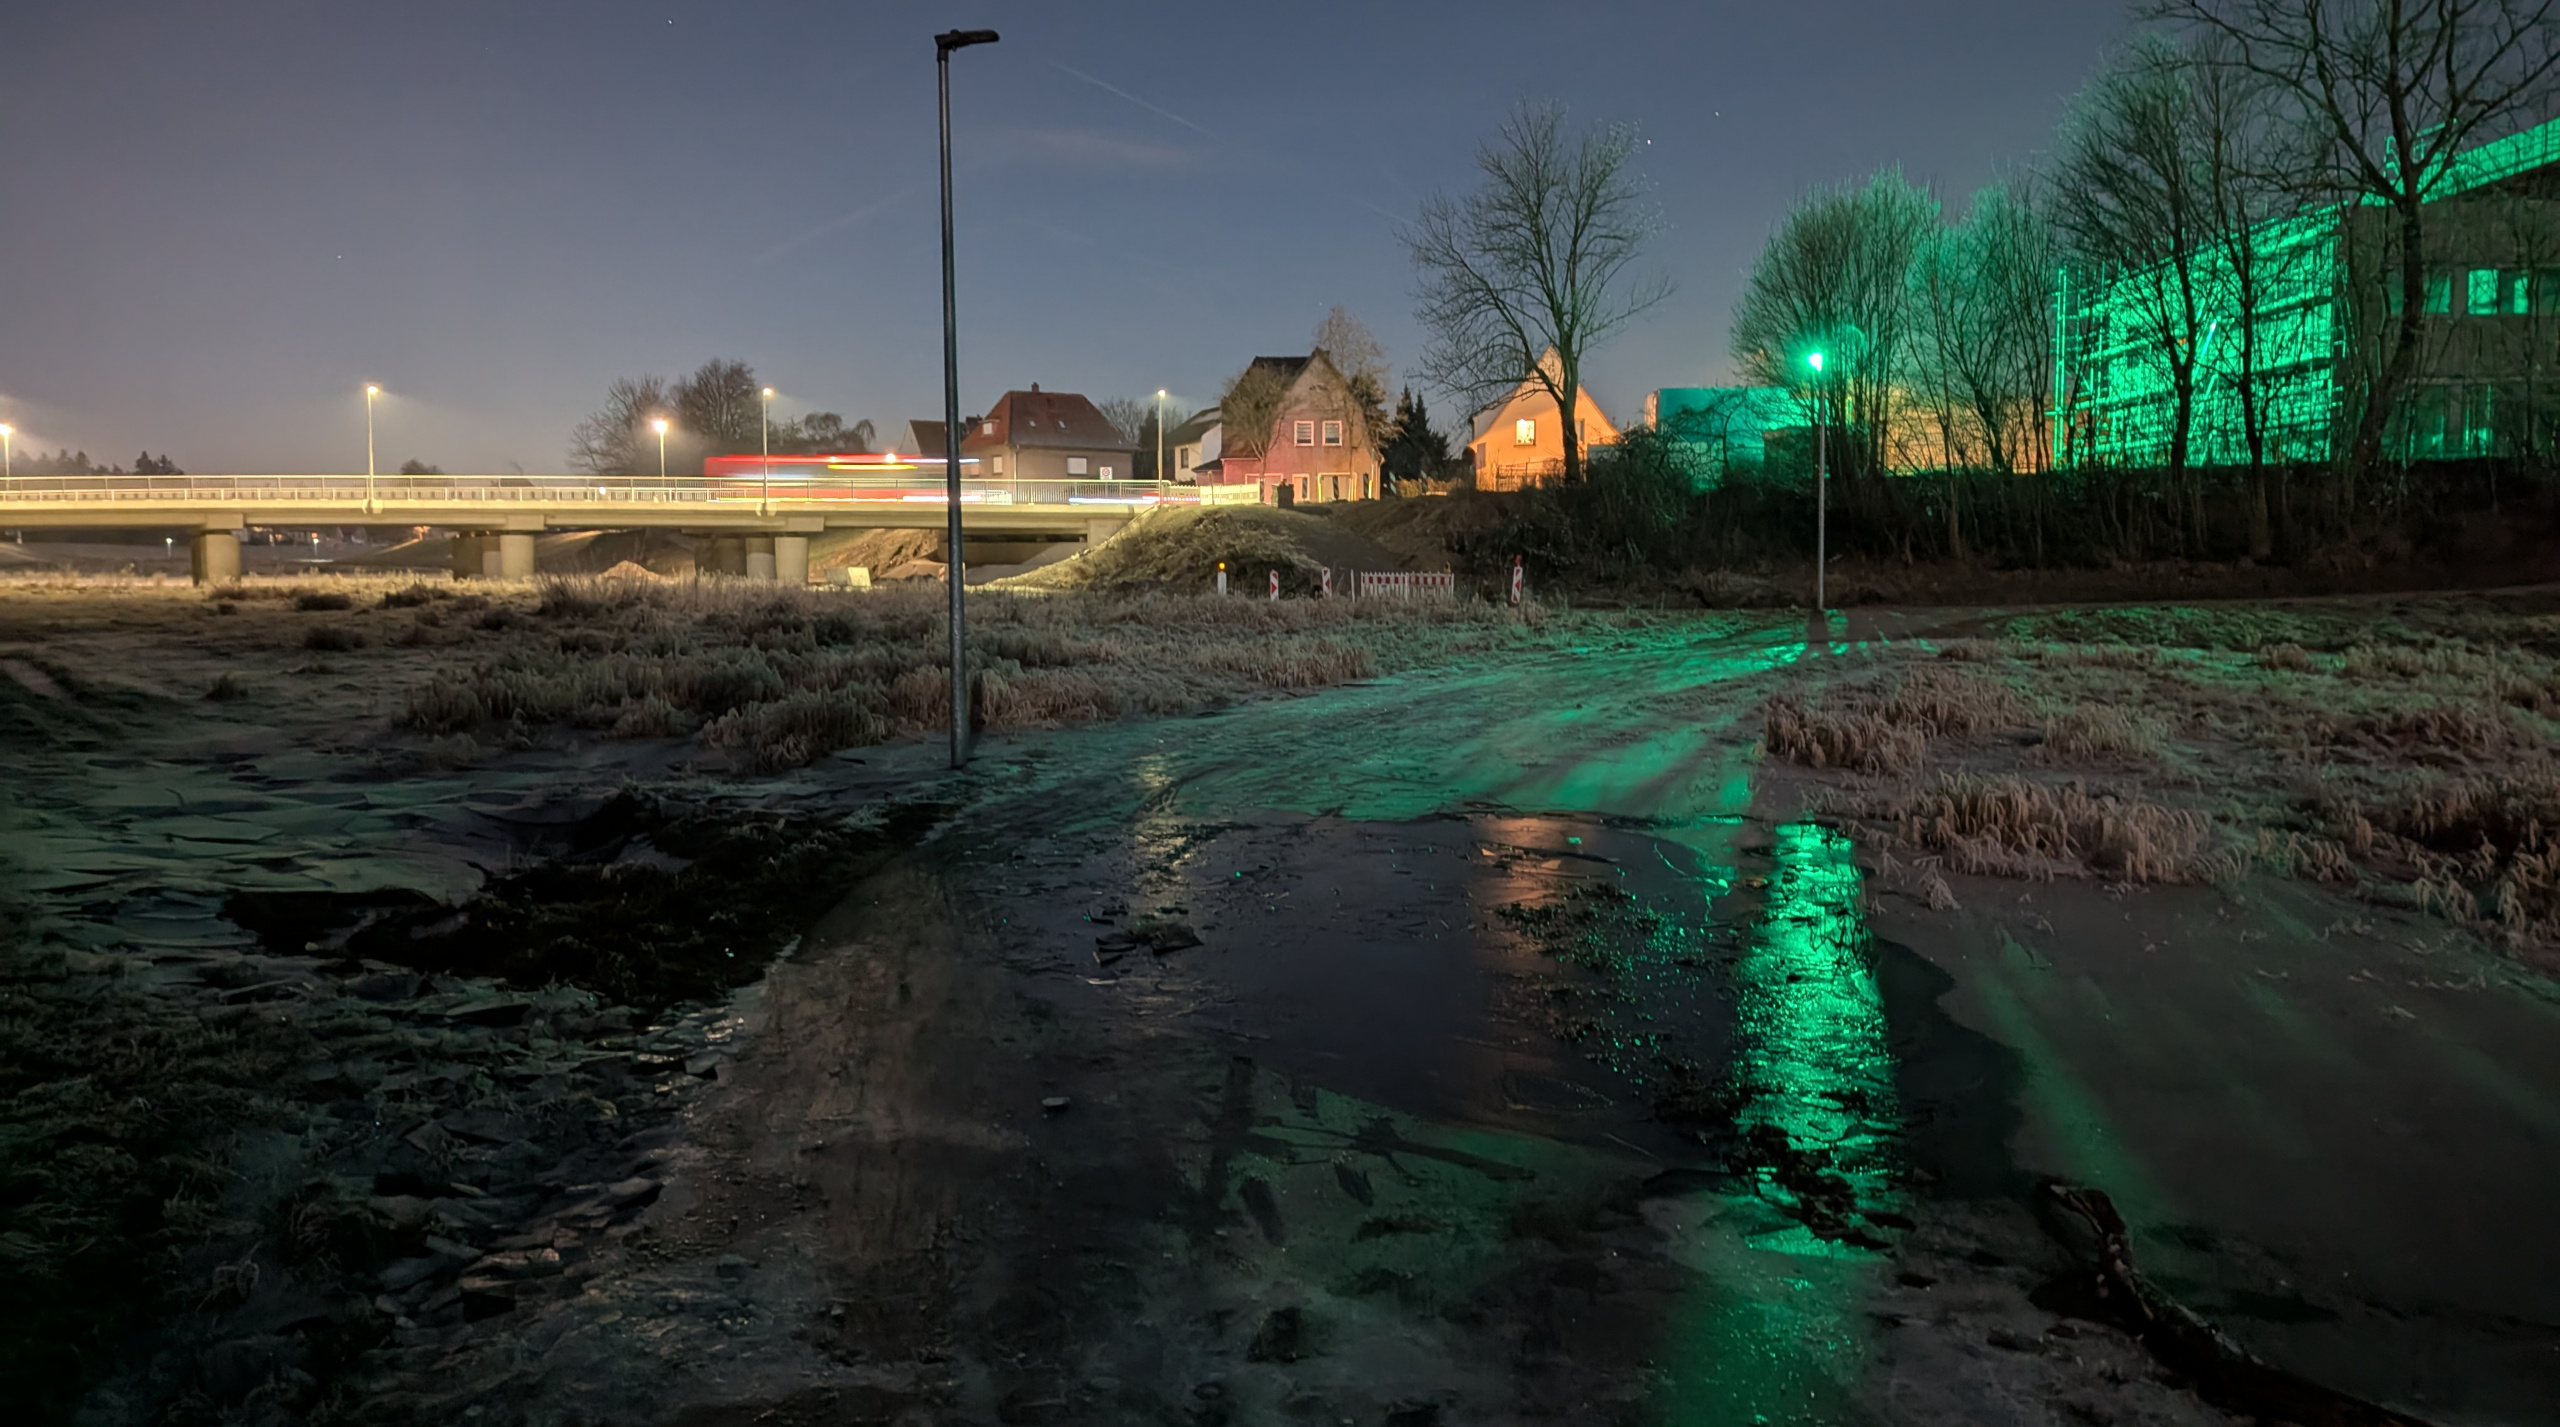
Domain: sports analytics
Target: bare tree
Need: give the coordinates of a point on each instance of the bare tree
(1248, 406)
(1836, 277)
(2396, 89)
(719, 407)
(612, 440)
(2130, 198)
(1127, 415)
(1346, 341)
(1536, 259)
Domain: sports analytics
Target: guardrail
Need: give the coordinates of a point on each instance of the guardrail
(383, 491)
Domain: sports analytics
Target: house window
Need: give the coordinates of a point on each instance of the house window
(2439, 293)
(1333, 433)
(2519, 289)
(1075, 465)
(1306, 433)
(987, 429)
(2481, 292)
(995, 465)
(1524, 432)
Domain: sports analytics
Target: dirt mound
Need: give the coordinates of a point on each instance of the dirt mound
(630, 571)
(1415, 530)
(597, 552)
(1183, 547)
(874, 550)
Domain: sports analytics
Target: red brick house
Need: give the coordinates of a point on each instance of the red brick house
(1318, 446)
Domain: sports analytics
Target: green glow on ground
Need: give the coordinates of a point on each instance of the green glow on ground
(1776, 1336)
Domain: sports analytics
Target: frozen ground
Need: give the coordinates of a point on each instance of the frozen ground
(1499, 1042)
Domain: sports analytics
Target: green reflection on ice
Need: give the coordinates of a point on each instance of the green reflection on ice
(1775, 1337)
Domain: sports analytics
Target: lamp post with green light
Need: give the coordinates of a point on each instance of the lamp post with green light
(1821, 486)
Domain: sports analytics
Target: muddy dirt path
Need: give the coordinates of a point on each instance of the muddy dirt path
(1503, 1045)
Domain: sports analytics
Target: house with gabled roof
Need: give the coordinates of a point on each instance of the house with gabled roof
(1040, 435)
(1195, 443)
(1519, 440)
(1316, 444)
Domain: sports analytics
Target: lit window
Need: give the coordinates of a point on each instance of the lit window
(988, 429)
(1333, 433)
(1524, 432)
(2519, 287)
(995, 465)
(2482, 292)
(2439, 293)
(1306, 433)
(1075, 465)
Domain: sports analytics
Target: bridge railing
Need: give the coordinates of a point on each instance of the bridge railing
(385, 491)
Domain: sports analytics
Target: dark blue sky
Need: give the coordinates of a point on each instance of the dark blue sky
(220, 220)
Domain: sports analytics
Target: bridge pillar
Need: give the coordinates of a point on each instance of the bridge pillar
(466, 554)
(515, 555)
(216, 556)
(791, 559)
(759, 561)
(1097, 531)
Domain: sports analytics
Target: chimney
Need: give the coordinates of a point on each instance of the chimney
(1035, 388)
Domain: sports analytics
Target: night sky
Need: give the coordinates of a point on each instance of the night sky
(221, 220)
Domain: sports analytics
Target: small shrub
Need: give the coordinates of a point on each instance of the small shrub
(2010, 827)
(2101, 733)
(414, 596)
(2286, 658)
(323, 600)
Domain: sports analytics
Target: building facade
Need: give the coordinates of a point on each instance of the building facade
(1318, 447)
(1040, 435)
(2293, 317)
(1519, 440)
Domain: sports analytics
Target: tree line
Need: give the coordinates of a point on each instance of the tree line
(2169, 187)
(716, 411)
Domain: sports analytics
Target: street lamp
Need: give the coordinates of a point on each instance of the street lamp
(8, 459)
(659, 425)
(1159, 433)
(766, 508)
(370, 392)
(943, 45)
(1821, 488)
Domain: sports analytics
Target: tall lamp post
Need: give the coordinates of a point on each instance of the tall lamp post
(8, 458)
(370, 392)
(943, 45)
(659, 425)
(1159, 434)
(1821, 491)
(765, 507)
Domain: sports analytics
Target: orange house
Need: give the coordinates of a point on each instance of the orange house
(1519, 441)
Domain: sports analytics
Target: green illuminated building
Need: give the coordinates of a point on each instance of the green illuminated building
(2321, 292)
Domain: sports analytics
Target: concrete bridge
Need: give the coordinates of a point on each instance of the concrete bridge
(497, 517)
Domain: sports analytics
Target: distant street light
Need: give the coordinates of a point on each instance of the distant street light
(1821, 489)
(766, 506)
(943, 45)
(370, 392)
(8, 460)
(1159, 433)
(659, 425)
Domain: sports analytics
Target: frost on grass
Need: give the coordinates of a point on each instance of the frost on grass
(2404, 753)
(777, 678)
